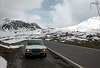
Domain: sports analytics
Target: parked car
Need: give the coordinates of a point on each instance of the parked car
(35, 47)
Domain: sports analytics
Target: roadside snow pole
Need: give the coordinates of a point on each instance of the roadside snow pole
(97, 3)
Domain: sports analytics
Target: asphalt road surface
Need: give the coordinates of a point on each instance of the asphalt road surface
(86, 57)
(51, 61)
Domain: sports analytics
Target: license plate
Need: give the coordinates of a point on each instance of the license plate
(36, 53)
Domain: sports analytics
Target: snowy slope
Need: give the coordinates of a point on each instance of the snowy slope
(3, 62)
(88, 25)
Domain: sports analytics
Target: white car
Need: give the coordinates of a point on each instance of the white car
(35, 47)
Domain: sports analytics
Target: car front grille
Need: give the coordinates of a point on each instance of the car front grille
(36, 50)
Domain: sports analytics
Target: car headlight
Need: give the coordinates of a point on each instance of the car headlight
(27, 50)
(45, 50)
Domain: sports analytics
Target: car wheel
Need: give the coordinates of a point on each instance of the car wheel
(45, 56)
(26, 56)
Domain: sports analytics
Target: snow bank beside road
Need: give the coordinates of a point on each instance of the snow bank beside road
(11, 46)
(14, 40)
(3, 62)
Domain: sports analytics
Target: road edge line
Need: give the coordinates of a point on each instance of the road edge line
(65, 58)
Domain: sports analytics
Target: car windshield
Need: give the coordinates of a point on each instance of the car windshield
(35, 42)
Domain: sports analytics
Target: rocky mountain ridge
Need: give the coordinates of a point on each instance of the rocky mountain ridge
(17, 24)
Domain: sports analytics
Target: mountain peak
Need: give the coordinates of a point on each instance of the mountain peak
(88, 25)
(16, 24)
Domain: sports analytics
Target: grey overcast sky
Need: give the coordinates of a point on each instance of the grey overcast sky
(54, 13)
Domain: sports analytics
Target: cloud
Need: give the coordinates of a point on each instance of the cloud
(72, 12)
(81, 10)
(33, 18)
(61, 15)
(15, 9)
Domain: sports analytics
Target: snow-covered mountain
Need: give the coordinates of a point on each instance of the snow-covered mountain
(88, 25)
(16, 24)
(92, 24)
(64, 34)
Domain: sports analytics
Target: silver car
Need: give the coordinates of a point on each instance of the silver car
(35, 47)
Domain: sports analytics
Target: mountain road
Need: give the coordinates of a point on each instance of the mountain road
(85, 57)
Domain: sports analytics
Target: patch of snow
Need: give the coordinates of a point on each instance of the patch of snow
(48, 39)
(17, 46)
(3, 62)
(83, 36)
(73, 37)
(62, 41)
(13, 40)
(11, 46)
(96, 38)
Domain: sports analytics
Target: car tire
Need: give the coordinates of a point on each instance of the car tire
(45, 56)
(26, 56)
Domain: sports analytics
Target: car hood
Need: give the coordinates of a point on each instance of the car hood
(35, 47)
